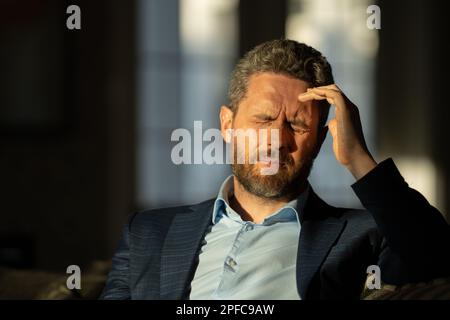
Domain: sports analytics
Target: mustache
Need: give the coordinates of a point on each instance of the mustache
(268, 155)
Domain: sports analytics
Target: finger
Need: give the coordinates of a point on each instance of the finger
(320, 94)
(332, 93)
(308, 96)
(330, 86)
(333, 96)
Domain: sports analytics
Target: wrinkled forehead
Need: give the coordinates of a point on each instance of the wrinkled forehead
(272, 93)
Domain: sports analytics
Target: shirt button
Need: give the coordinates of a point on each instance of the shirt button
(231, 262)
(248, 227)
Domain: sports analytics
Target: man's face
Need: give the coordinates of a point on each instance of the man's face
(271, 103)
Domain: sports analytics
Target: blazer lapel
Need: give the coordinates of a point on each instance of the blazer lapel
(180, 249)
(319, 231)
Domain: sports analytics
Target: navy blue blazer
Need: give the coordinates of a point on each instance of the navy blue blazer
(399, 231)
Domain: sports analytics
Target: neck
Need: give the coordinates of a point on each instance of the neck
(253, 208)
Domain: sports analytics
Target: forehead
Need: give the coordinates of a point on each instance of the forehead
(269, 83)
(274, 91)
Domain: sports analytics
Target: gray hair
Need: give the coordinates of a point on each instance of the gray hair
(283, 56)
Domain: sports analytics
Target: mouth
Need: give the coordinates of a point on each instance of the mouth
(272, 163)
(268, 161)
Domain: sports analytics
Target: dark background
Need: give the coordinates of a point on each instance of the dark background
(68, 116)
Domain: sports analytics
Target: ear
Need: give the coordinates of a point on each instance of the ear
(321, 135)
(226, 122)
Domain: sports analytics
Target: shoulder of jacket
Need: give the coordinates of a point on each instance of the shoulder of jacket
(162, 217)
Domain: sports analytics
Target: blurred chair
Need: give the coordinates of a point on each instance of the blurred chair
(42, 285)
(437, 289)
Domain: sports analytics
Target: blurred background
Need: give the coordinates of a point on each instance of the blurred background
(86, 115)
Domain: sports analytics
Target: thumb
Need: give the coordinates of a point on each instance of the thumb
(332, 127)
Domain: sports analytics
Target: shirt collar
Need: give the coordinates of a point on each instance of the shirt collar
(289, 212)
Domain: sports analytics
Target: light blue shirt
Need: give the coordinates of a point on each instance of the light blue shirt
(243, 260)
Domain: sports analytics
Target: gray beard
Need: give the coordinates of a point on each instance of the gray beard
(283, 184)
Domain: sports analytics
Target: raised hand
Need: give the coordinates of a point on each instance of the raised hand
(349, 145)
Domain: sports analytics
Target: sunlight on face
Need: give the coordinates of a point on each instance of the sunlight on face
(271, 103)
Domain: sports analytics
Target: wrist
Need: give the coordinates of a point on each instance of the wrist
(361, 164)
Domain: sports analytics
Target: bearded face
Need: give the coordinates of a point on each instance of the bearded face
(282, 183)
(271, 102)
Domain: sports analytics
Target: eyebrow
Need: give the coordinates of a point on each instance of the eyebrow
(296, 122)
(265, 116)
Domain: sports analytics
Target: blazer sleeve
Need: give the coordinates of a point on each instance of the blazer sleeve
(416, 237)
(117, 285)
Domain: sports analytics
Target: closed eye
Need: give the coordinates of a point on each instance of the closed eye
(264, 118)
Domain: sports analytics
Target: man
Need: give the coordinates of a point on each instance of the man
(271, 236)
